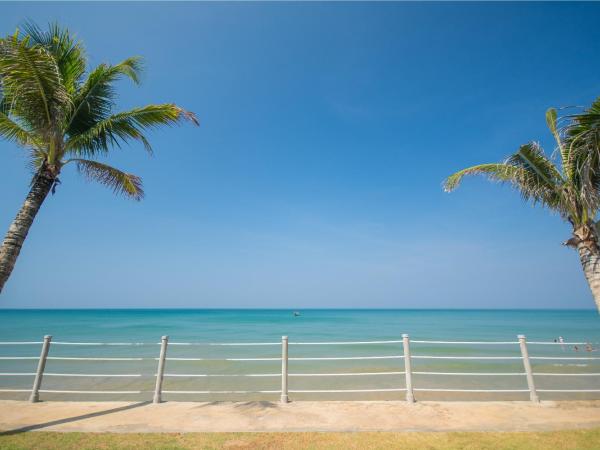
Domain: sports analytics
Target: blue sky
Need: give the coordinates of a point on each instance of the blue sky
(315, 177)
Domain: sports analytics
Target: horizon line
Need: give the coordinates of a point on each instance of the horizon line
(285, 309)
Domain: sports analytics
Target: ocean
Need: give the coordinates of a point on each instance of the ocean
(203, 326)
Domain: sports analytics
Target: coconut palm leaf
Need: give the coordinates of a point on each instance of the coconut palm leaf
(495, 171)
(31, 83)
(565, 153)
(95, 99)
(121, 127)
(582, 137)
(12, 131)
(586, 122)
(528, 170)
(532, 158)
(68, 52)
(120, 182)
(37, 158)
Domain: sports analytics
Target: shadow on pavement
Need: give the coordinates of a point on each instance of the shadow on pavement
(72, 419)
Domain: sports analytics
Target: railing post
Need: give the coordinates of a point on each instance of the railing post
(161, 369)
(527, 364)
(410, 397)
(39, 374)
(284, 370)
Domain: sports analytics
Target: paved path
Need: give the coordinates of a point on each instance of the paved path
(297, 416)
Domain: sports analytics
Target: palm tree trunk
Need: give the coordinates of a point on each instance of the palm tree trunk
(17, 232)
(590, 261)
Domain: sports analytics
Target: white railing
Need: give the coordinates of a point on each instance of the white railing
(406, 357)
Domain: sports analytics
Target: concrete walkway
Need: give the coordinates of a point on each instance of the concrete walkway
(122, 417)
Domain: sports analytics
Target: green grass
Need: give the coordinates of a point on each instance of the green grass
(555, 440)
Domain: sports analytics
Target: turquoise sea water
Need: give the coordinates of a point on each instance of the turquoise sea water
(244, 326)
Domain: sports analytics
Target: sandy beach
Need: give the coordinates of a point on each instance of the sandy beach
(127, 417)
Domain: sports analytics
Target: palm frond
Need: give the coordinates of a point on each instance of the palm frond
(36, 159)
(120, 182)
(95, 99)
(587, 121)
(494, 171)
(12, 131)
(565, 154)
(129, 125)
(31, 83)
(583, 140)
(526, 180)
(574, 192)
(68, 52)
(531, 157)
(583, 135)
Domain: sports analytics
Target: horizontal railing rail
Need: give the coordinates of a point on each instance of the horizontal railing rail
(86, 358)
(221, 392)
(478, 374)
(346, 343)
(405, 356)
(192, 375)
(110, 344)
(466, 342)
(469, 390)
(566, 358)
(465, 357)
(220, 359)
(227, 344)
(299, 391)
(538, 374)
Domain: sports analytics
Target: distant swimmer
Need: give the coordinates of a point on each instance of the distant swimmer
(562, 342)
(589, 348)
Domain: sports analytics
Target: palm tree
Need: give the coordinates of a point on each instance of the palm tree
(61, 114)
(572, 188)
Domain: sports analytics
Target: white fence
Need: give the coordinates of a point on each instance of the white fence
(406, 358)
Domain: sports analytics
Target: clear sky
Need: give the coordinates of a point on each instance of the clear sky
(315, 177)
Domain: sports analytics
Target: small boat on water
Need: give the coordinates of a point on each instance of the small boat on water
(296, 313)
